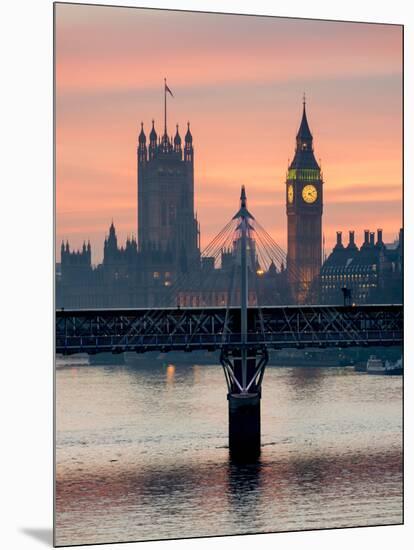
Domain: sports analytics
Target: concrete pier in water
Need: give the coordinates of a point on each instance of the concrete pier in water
(244, 426)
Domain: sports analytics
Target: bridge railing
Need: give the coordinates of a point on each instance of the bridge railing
(117, 343)
(93, 331)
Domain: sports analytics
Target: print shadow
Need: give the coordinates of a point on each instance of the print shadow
(42, 535)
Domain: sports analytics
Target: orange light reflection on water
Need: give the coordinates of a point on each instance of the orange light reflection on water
(170, 374)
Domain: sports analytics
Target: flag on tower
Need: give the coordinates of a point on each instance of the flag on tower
(168, 90)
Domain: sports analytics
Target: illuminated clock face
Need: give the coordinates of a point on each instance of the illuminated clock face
(309, 194)
(290, 194)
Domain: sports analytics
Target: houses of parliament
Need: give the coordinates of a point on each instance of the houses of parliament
(165, 267)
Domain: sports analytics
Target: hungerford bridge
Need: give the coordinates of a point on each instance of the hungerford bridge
(242, 334)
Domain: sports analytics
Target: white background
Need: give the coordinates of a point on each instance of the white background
(26, 268)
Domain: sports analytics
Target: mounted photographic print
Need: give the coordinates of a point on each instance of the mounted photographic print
(229, 267)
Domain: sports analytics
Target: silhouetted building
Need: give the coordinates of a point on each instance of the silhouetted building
(164, 266)
(166, 218)
(125, 278)
(128, 277)
(76, 264)
(304, 204)
(141, 273)
(167, 255)
(220, 286)
(373, 272)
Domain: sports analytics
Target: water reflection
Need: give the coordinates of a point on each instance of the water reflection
(197, 373)
(170, 374)
(224, 498)
(185, 373)
(243, 483)
(142, 453)
(310, 475)
(305, 378)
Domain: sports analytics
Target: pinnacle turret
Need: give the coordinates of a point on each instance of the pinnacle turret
(188, 136)
(304, 157)
(177, 138)
(142, 138)
(304, 134)
(153, 133)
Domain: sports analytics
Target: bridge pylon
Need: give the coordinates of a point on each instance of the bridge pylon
(244, 400)
(244, 365)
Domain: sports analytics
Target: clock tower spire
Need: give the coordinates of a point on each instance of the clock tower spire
(304, 205)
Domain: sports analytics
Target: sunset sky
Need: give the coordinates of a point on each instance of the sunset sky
(239, 81)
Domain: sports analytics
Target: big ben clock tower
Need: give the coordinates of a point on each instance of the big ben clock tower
(304, 203)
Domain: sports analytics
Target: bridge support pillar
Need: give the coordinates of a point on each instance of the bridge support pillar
(244, 426)
(244, 394)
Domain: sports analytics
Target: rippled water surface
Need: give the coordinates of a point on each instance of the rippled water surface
(142, 453)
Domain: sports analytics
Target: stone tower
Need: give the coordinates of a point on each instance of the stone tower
(304, 205)
(166, 220)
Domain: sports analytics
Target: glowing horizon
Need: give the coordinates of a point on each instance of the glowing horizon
(239, 80)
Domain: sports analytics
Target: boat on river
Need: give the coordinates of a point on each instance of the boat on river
(375, 365)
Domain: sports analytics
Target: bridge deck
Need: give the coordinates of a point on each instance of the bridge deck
(186, 329)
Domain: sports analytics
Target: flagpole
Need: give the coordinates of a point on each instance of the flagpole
(165, 106)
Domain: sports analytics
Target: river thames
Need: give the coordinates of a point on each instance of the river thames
(142, 452)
